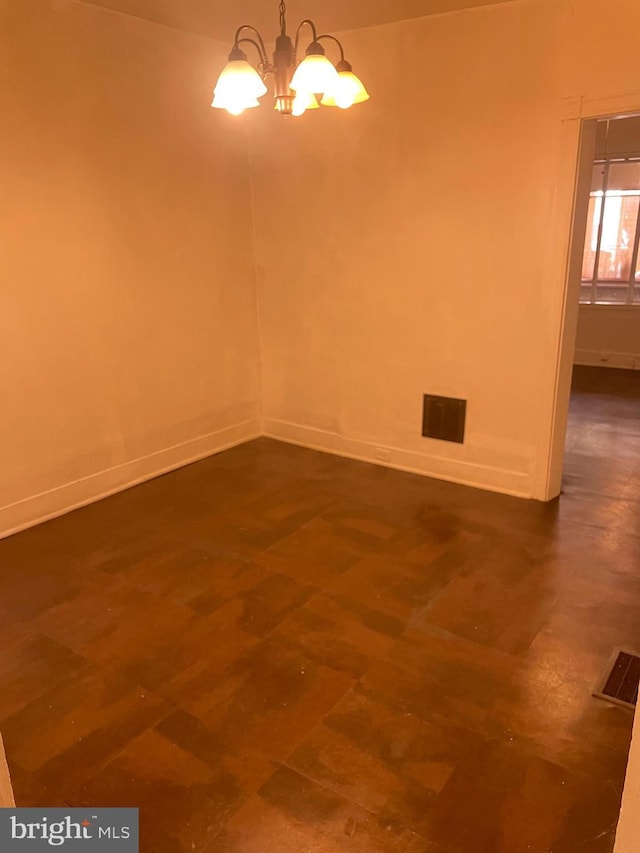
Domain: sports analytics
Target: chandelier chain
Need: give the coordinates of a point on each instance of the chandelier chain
(283, 22)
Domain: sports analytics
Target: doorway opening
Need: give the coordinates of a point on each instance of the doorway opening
(602, 444)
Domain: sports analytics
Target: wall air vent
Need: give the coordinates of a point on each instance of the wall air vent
(444, 418)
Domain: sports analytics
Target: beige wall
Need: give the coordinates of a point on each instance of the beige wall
(128, 317)
(609, 336)
(417, 244)
(412, 245)
(406, 264)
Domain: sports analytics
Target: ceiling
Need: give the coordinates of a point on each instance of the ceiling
(220, 18)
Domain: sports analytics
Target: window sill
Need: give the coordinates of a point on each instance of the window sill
(608, 306)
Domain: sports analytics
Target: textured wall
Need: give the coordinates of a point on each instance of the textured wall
(417, 244)
(127, 292)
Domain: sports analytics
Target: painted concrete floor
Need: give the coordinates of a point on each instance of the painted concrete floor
(277, 650)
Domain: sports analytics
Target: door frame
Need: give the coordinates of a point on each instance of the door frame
(566, 242)
(6, 791)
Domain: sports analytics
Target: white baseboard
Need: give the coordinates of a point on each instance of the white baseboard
(68, 496)
(453, 470)
(597, 358)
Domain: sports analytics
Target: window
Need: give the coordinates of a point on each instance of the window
(611, 263)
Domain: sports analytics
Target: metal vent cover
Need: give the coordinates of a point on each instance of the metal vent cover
(620, 682)
(444, 418)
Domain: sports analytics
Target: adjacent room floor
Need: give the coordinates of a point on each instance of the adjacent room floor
(279, 651)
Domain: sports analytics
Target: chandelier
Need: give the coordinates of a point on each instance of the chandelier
(298, 86)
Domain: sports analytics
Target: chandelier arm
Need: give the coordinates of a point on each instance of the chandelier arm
(262, 49)
(264, 63)
(308, 23)
(337, 41)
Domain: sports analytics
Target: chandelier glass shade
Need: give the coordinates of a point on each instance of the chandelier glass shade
(314, 75)
(297, 86)
(238, 87)
(303, 102)
(349, 89)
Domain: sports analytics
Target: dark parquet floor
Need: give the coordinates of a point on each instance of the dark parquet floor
(279, 651)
